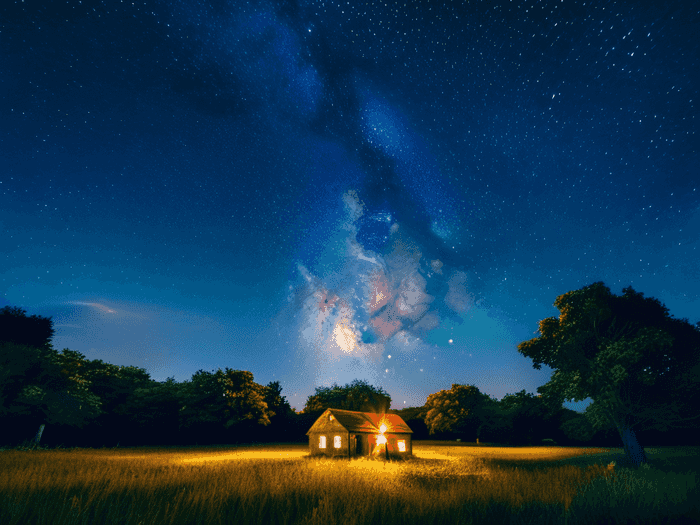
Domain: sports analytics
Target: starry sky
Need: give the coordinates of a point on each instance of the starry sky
(322, 191)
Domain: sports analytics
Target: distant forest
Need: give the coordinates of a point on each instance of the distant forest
(51, 398)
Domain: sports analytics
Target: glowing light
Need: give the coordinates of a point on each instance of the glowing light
(243, 454)
(381, 440)
(450, 341)
(382, 429)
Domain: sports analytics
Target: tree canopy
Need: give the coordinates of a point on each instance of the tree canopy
(16, 327)
(39, 385)
(229, 397)
(451, 410)
(358, 395)
(638, 364)
(34, 384)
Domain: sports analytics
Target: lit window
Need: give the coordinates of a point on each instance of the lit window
(322, 442)
(336, 441)
(402, 445)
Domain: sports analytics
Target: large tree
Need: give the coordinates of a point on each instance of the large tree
(35, 382)
(225, 399)
(245, 399)
(36, 388)
(358, 395)
(454, 410)
(640, 366)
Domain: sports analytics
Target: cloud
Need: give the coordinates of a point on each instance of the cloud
(457, 297)
(101, 307)
(131, 311)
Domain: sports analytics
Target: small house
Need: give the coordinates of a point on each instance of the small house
(349, 434)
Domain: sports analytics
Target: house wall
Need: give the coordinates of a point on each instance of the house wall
(392, 445)
(368, 444)
(330, 449)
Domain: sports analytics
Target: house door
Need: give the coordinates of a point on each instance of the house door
(358, 445)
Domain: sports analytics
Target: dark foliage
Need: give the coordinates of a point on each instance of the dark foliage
(358, 395)
(89, 403)
(16, 327)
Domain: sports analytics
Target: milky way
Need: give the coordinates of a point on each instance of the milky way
(322, 191)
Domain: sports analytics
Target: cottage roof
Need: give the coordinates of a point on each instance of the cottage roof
(360, 422)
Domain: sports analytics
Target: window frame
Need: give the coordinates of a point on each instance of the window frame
(337, 442)
(322, 442)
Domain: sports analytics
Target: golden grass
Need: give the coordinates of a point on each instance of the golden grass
(280, 484)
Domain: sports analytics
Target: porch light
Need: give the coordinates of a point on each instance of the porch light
(381, 440)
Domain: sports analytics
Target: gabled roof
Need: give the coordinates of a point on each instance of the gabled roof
(393, 422)
(360, 422)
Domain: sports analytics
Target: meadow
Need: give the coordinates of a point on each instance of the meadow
(444, 483)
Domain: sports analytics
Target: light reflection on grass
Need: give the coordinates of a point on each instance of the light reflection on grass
(281, 484)
(249, 454)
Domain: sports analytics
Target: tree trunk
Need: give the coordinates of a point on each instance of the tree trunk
(633, 450)
(37, 438)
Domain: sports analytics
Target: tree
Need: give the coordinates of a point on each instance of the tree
(453, 410)
(415, 419)
(115, 385)
(35, 387)
(225, 399)
(245, 399)
(639, 365)
(359, 396)
(202, 402)
(578, 429)
(530, 417)
(73, 368)
(495, 422)
(15, 327)
(33, 381)
(276, 402)
(154, 412)
(282, 421)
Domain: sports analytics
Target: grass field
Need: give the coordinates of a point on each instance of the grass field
(444, 483)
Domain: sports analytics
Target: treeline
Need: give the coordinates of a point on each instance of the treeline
(63, 398)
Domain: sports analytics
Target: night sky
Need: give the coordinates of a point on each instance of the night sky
(321, 191)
